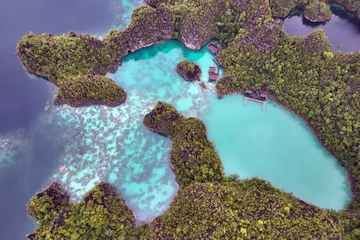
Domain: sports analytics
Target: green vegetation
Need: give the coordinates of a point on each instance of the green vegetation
(317, 12)
(307, 77)
(149, 26)
(72, 62)
(208, 205)
(189, 70)
(79, 61)
(84, 90)
(102, 214)
(193, 157)
(303, 74)
(197, 22)
(61, 57)
(249, 209)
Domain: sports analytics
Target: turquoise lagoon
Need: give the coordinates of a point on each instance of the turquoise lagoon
(111, 143)
(275, 145)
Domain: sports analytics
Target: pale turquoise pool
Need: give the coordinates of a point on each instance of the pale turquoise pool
(275, 145)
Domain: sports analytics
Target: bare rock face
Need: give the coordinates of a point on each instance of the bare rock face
(149, 26)
(196, 27)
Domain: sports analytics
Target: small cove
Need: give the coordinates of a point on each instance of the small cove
(275, 145)
(342, 29)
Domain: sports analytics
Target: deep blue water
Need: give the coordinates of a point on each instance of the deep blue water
(23, 99)
(342, 30)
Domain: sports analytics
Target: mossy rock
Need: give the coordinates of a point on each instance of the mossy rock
(164, 119)
(196, 213)
(102, 214)
(84, 90)
(59, 57)
(196, 26)
(189, 70)
(48, 205)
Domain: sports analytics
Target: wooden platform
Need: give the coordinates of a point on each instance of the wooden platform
(255, 100)
(212, 69)
(213, 48)
(213, 77)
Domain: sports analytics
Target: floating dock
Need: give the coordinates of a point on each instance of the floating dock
(255, 100)
(256, 97)
(213, 76)
(214, 71)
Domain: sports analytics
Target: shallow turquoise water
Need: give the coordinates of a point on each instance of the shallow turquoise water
(272, 144)
(112, 144)
(277, 146)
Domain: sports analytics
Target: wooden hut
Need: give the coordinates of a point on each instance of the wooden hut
(248, 93)
(213, 76)
(213, 48)
(262, 97)
(212, 69)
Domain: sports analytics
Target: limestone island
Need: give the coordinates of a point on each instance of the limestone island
(303, 74)
(189, 70)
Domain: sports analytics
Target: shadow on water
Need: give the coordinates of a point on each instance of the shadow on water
(164, 48)
(342, 30)
(341, 12)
